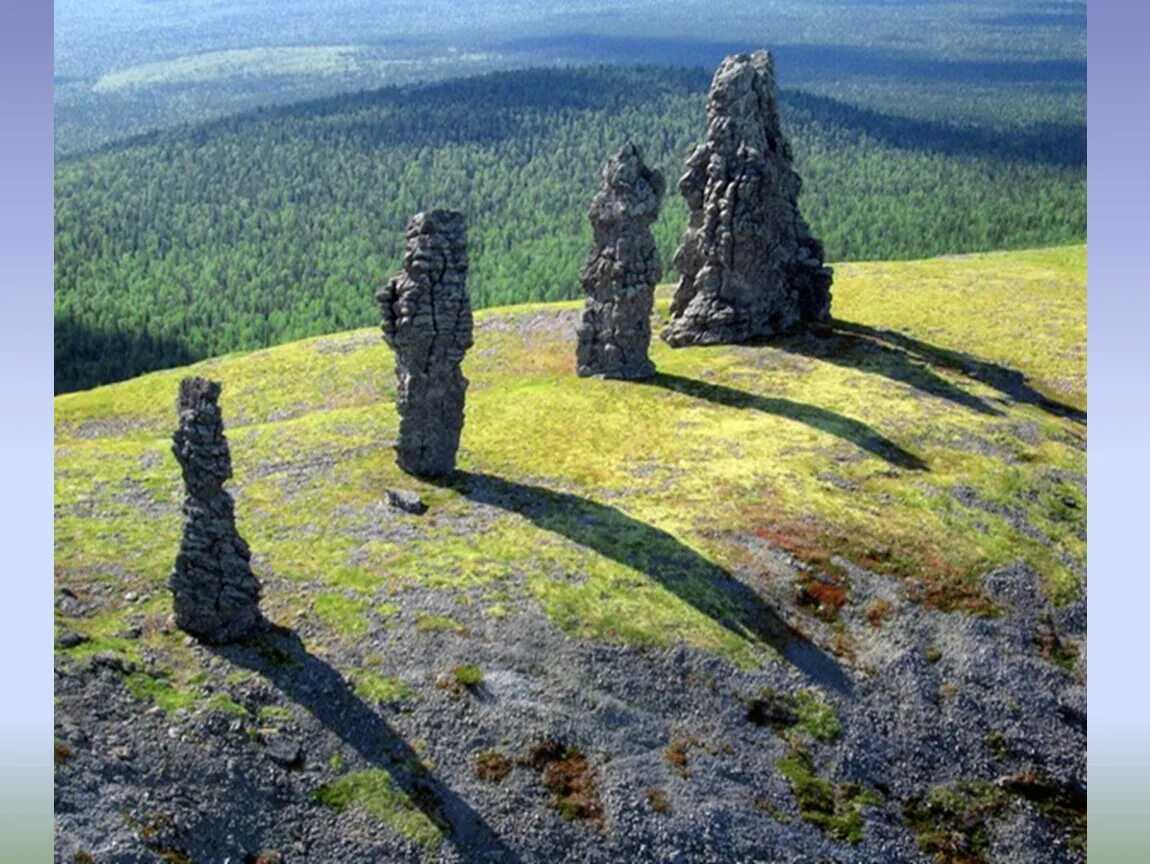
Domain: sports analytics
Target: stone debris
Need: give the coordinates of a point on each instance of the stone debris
(621, 270)
(427, 322)
(748, 264)
(215, 595)
(407, 501)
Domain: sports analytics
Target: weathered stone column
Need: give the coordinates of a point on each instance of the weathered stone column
(621, 270)
(215, 595)
(427, 322)
(749, 266)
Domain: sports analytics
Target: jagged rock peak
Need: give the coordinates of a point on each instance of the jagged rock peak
(621, 270)
(427, 322)
(748, 264)
(215, 595)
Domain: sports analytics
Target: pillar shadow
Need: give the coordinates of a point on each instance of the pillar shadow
(279, 655)
(854, 349)
(1009, 382)
(678, 568)
(847, 428)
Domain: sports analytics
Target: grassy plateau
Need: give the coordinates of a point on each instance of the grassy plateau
(935, 430)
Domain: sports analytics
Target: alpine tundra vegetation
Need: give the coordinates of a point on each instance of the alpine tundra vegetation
(802, 581)
(816, 598)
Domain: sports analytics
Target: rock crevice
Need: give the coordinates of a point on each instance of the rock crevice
(621, 270)
(215, 595)
(749, 266)
(427, 322)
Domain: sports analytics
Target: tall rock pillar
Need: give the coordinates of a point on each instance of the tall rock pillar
(427, 322)
(621, 270)
(748, 264)
(215, 595)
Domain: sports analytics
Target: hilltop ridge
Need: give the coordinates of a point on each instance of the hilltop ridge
(817, 598)
(274, 225)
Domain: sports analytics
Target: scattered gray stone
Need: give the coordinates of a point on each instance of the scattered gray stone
(427, 322)
(112, 661)
(71, 640)
(284, 751)
(407, 501)
(749, 266)
(621, 270)
(215, 595)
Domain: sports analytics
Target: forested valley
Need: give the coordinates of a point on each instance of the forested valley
(279, 224)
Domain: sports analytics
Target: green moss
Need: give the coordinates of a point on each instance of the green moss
(372, 687)
(845, 447)
(951, 822)
(816, 717)
(427, 623)
(374, 791)
(347, 615)
(468, 676)
(803, 710)
(161, 691)
(996, 744)
(225, 704)
(837, 810)
(276, 714)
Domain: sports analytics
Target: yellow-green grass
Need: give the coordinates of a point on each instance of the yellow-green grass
(375, 791)
(931, 434)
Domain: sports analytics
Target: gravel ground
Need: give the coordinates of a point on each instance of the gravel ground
(673, 769)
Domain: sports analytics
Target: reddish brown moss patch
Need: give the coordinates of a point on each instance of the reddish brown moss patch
(569, 779)
(678, 754)
(492, 766)
(823, 597)
(933, 579)
(878, 612)
(657, 800)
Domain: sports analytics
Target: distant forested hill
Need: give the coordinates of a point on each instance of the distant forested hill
(279, 224)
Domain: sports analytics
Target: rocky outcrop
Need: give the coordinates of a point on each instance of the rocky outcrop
(215, 595)
(427, 322)
(621, 270)
(749, 266)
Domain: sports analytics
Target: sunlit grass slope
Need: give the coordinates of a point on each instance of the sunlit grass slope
(934, 432)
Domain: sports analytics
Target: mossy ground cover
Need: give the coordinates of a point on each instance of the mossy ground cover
(374, 791)
(933, 432)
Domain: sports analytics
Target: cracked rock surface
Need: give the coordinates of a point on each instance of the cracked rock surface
(749, 265)
(427, 322)
(621, 270)
(215, 595)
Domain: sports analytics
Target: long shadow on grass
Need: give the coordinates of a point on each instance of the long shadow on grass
(280, 656)
(850, 345)
(1009, 382)
(677, 567)
(847, 428)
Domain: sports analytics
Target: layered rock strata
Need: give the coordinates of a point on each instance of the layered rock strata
(749, 265)
(621, 270)
(427, 322)
(215, 595)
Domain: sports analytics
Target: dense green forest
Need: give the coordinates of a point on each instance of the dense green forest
(124, 67)
(279, 224)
